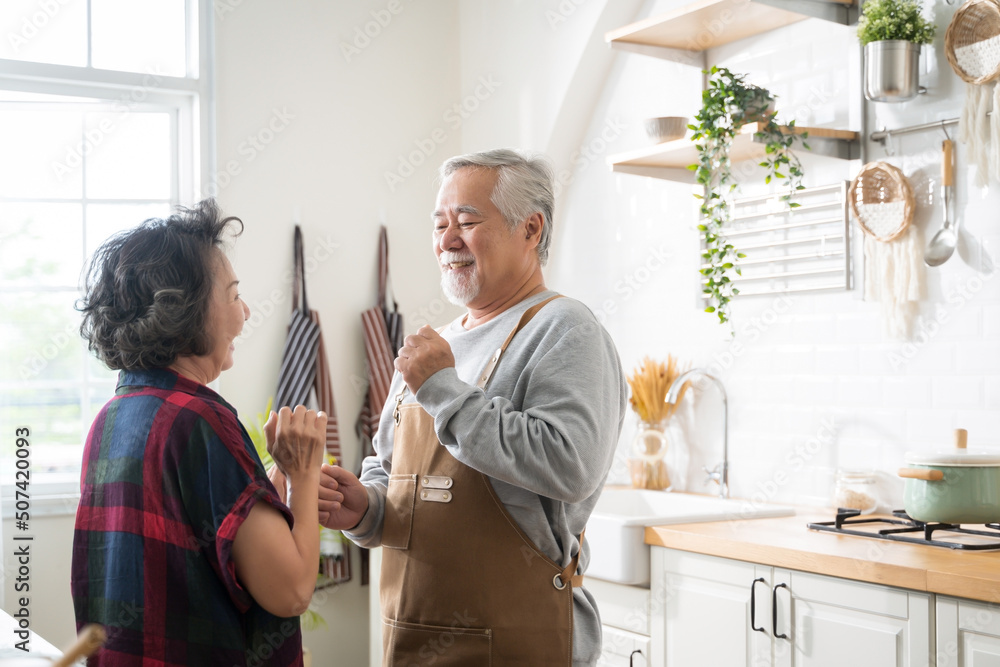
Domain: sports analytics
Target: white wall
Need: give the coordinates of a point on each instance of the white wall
(813, 383)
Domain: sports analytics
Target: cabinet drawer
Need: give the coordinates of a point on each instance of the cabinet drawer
(618, 647)
(621, 606)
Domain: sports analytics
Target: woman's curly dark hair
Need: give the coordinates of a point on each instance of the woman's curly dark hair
(147, 289)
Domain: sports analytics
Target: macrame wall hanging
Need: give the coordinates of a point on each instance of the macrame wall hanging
(972, 45)
(882, 202)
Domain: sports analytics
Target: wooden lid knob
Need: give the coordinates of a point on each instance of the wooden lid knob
(961, 438)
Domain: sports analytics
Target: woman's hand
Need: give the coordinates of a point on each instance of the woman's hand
(296, 440)
(278, 566)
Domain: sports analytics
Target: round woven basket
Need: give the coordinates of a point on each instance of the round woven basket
(882, 201)
(972, 41)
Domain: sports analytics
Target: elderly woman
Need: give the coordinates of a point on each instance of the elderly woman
(183, 549)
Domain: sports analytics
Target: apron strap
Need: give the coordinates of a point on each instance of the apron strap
(495, 359)
(568, 575)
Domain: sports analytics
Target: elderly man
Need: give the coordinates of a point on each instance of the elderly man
(494, 444)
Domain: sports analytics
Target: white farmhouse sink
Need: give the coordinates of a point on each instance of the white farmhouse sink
(617, 525)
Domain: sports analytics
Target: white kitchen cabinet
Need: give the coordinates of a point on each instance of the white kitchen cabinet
(709, 610)
(968, 633)
(624, 622)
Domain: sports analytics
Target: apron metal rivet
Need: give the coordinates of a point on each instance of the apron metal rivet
(446, 496)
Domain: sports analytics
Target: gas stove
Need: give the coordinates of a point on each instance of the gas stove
(901, 528)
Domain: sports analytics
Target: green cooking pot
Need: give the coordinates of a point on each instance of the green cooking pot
(958, 486)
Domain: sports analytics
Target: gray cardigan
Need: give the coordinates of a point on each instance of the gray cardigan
(544, 430)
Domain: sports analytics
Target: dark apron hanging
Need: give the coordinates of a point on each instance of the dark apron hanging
(305, 369)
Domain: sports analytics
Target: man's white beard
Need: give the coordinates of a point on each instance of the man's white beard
(460, 291)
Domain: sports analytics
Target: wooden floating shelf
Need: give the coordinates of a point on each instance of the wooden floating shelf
(684, 34)
(670, 160)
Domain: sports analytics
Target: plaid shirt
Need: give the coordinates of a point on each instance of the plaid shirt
(169, 475)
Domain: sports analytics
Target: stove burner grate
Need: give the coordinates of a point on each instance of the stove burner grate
(902, 527)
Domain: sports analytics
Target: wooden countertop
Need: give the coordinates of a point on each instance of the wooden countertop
(786, 542)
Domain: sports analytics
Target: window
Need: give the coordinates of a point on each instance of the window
(103, 124)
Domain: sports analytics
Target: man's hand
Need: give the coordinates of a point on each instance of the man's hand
(423, 354)
(343, 500)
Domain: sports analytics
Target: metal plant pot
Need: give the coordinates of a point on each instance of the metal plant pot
(892, 70)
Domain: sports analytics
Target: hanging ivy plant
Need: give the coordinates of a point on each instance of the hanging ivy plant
(729, 103)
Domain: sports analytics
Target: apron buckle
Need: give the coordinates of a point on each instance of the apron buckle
(395, 411)
(436, 495)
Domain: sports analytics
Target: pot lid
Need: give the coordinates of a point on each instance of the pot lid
(954, 457)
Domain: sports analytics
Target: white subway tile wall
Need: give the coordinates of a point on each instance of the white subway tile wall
(814, 382)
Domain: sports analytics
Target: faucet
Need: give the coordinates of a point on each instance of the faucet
(719, 474)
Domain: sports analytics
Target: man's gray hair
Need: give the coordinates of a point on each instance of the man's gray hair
(524, 187)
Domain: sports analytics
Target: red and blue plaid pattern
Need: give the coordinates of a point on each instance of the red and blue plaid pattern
(169, 475)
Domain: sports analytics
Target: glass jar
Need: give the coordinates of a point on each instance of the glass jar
(650, 443)
(856, 489)
(647, 468)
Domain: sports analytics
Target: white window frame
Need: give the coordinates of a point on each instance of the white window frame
(193, 99)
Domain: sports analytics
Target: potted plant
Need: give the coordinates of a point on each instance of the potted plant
(729, 103)
(892, 32)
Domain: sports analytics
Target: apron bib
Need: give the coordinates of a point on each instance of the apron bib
(461, 583)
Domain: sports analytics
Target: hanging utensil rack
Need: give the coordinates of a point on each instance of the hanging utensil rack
(804, 249)
(881, 135)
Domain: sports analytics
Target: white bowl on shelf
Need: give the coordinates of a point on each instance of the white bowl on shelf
(666, 128)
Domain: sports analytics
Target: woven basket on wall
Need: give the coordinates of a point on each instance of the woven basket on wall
(972, 41)
(882, 201)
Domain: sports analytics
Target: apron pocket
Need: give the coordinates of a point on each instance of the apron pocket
(406, 644)
(399, 500)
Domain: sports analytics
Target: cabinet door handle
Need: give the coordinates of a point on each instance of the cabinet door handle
(774, 612)
(753, 605)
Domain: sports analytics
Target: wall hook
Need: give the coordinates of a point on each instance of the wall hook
(890, 149)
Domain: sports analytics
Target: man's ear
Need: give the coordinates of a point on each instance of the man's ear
(533, 226)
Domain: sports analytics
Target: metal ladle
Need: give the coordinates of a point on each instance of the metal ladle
(942, 245)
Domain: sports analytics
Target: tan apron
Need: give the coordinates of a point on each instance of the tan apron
(461, 583)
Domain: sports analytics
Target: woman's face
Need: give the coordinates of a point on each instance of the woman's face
(226, 314)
